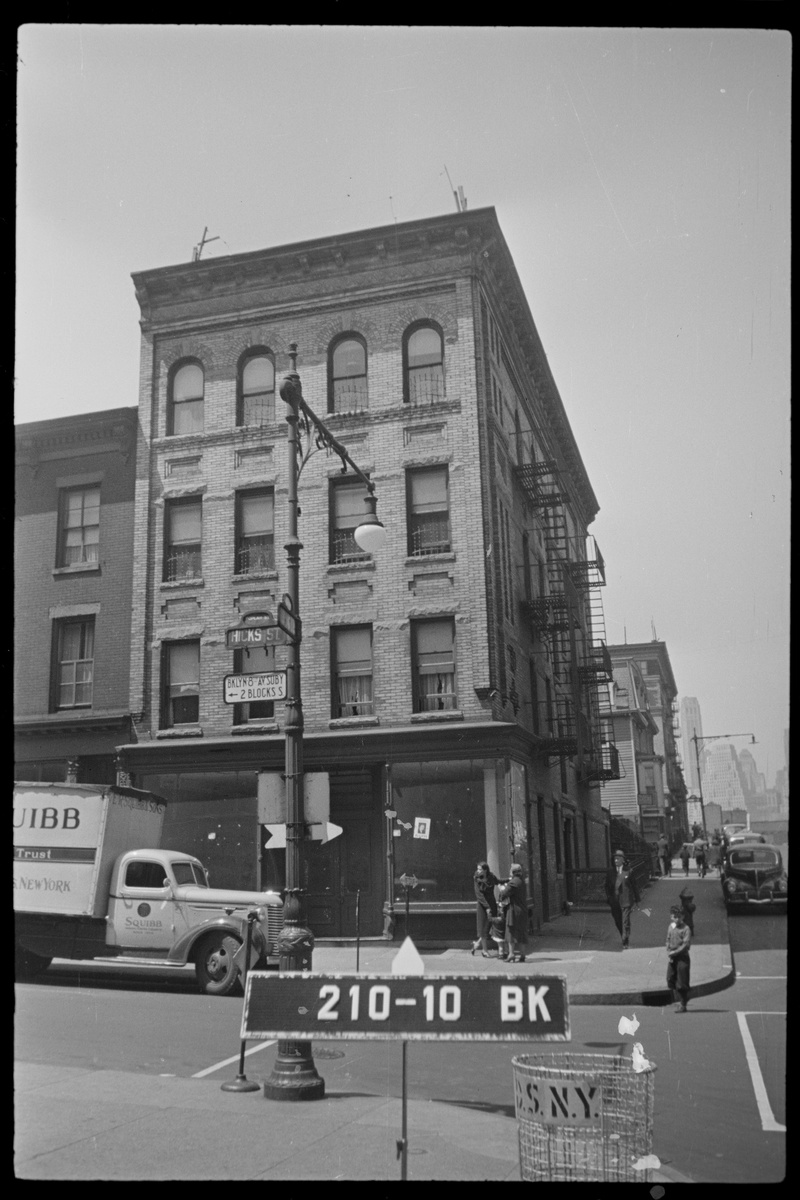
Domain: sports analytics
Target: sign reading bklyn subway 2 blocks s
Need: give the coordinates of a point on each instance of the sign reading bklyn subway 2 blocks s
(305, 1005)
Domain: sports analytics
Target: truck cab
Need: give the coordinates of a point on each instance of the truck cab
(161, 907)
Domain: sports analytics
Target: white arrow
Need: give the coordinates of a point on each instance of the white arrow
(277, 837)
(324, 831)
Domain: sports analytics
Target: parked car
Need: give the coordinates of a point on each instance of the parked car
(738, 839)
(729, 830)
(753, 874)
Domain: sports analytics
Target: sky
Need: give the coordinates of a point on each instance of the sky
(641, 178)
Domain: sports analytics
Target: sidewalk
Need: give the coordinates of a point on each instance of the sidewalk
(75, 1123)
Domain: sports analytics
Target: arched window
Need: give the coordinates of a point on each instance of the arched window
(348, 376)
(186, 400)
(424, 365)
(256, 390)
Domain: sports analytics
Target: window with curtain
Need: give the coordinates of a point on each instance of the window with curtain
(183, 521)
(428, 515)
(257, 391)
(74, 666)
(181, 692)
(348, 376)
(255, 534)
(79, 534)
(434, 665)
(186, 402)
(352, 672)
(347, 511)
(424, 366)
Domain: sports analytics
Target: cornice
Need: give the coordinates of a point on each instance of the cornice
(89, 433)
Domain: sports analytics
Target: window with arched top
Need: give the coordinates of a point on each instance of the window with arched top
(256, 400)
(347, 368)
(423, 364)
(186, 400)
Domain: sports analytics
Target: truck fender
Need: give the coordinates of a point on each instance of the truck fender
(182, 950)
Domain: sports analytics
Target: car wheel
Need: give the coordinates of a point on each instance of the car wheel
(217, 973)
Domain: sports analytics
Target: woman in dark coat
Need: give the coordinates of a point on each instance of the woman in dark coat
(486, 907)
(516, 914)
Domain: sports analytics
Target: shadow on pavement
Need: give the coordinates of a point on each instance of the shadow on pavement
(498, 1110)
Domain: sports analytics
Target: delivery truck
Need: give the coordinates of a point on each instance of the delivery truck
(90, 882)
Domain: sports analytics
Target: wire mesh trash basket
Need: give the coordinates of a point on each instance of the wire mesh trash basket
(582, 1117)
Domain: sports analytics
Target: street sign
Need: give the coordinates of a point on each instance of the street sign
(289, 622)
(322, 831)
(423, 1008)
(255, 635)
(408, 881)
(245, 689)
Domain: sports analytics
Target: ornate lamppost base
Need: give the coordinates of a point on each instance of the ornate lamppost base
(294, 1076)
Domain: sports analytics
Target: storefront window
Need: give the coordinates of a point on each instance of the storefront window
(446, 822)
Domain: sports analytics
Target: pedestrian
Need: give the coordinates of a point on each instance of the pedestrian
(485, 906)
(686, 854)
(714, 852)
(622, 894)
(688, 907)
(679, 939)
(516, 893)
(700, 855)
(664, 855)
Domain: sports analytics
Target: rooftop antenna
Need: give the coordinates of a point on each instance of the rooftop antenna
(458, 196)
(198, 250)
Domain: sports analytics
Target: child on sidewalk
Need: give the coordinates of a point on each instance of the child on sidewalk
(679, 940)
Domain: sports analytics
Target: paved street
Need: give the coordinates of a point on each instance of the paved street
(130, 1046)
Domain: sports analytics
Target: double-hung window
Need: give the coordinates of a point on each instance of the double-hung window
(186, 400)
(348, 376)
(254, 660)
(424, 365)
(255, 535)
(352, 671)
(183, 539)
(74, 664)
(79, 532)
(181, 684)
(348, 510)
(257, 391)
(433, 652)
(428, 511)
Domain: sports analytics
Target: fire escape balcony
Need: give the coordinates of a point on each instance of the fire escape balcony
(541, 494)
(603, 765)
(548, 613)
(588, 573)
(560, 739)
(597, 666)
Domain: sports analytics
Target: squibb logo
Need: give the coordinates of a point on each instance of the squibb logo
(46, 818)
(138, 923)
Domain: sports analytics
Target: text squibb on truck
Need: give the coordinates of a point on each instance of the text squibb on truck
(89, 883)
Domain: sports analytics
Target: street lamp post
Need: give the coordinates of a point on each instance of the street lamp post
(715, 737)
(294, 1076)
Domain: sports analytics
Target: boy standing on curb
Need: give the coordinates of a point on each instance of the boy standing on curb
(678, 964)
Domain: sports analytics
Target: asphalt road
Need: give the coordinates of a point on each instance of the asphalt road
(719, 1088)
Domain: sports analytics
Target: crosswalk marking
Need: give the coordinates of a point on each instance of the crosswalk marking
(768, 1122)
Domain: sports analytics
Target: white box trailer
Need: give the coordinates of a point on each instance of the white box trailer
(91, 882)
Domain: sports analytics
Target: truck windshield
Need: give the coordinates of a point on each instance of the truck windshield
(186, 872)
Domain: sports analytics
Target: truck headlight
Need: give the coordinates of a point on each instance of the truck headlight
(261, 914)
(782, 885)
(733, 885)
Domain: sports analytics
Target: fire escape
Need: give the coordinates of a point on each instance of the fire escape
(569, 616)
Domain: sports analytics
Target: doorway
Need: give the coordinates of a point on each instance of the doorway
(345, 874)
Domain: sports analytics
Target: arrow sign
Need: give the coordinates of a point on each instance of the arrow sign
(275, 838)
(325, 831)
(408, 881)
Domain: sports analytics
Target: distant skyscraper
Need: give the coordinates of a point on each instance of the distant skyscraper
(691, 724)
(723, 780)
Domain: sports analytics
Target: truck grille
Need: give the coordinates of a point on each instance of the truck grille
(274, 925)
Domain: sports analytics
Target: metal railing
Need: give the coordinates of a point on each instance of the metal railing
(255, 554)
(185, 563)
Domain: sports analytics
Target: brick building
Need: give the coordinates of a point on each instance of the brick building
(73, 554)
(455, 686)
(653, 775)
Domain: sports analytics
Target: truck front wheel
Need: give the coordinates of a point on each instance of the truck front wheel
(217, 973)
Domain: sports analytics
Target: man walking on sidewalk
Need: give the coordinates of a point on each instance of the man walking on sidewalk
(664, 856)
(622, 894)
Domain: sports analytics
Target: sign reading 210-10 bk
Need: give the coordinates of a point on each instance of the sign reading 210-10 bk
(304, 1005)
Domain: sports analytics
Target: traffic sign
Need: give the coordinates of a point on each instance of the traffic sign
(255, 635)
(276, 837)
(289, 622)
(408, 881)
(246, 689)
(423, 1008)
(321, 831)
(324, 831)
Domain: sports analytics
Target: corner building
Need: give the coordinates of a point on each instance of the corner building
(455, 685)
